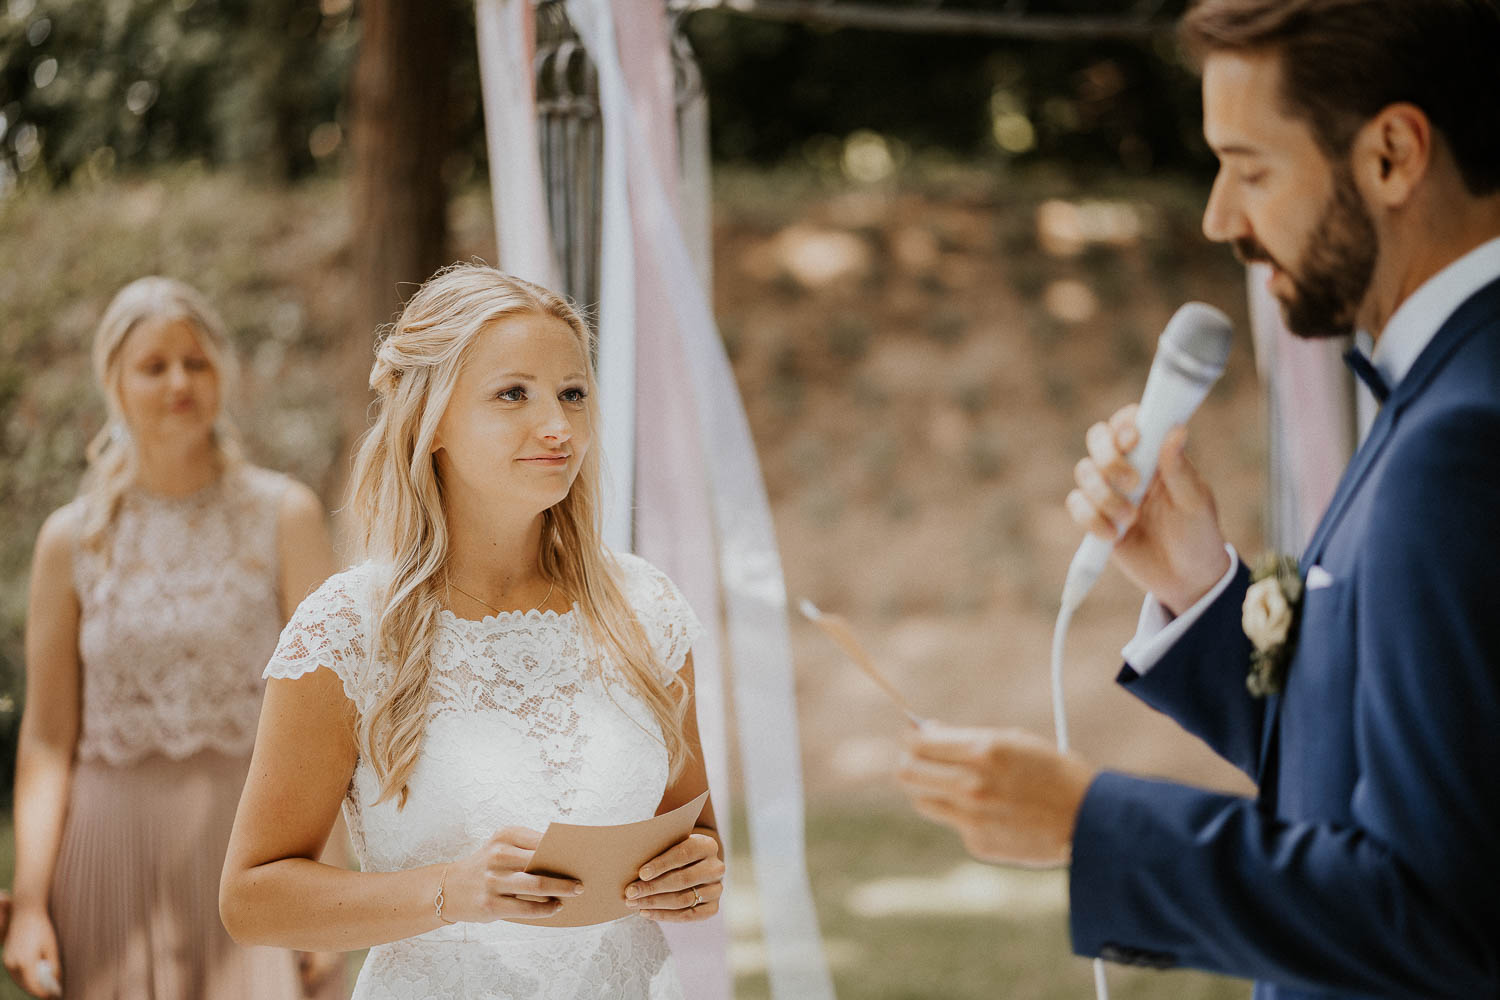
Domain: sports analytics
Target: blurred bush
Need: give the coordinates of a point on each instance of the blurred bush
(87, 86)
(781, 90)
(91, 86)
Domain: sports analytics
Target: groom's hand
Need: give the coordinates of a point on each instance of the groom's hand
(1011, 797)
(1169, 544)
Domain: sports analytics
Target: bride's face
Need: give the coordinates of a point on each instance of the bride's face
(517, 425)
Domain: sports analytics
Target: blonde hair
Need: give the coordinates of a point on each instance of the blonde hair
(396, 498)
(112, 454)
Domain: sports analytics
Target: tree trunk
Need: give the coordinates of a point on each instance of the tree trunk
(400, 133)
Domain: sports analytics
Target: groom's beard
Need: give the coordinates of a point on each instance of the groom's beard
(1336, 268)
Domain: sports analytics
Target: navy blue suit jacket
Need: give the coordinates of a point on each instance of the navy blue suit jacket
(1369, 862)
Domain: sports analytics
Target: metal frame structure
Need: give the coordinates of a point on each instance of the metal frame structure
(572, 140)
(568, 88)
(1003, 19)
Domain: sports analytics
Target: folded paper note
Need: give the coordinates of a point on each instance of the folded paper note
(606, 859)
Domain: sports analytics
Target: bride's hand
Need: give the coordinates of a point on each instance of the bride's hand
(492, 884)
(681, 884)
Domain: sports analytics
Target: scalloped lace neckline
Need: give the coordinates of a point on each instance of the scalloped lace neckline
(529, 616)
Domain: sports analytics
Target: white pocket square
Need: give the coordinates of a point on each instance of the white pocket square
(1318, 578)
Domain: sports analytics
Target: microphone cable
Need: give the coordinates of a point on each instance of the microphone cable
(1190, 357)
(1071, 600)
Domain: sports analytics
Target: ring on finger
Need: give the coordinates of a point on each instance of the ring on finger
(697, 899)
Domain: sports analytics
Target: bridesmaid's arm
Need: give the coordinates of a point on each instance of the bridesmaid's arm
(665, 890)
(275, 892)
(303, 550)
(44, 754)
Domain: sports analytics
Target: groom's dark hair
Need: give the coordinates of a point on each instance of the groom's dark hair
(1343, 61)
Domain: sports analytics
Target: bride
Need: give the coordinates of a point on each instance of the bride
(489, 668)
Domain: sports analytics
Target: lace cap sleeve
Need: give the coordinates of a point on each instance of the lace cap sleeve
(671, 626)
(330, 628)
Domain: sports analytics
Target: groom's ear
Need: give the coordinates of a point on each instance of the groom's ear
(1392, 155)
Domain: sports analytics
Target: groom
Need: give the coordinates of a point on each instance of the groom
(1360, 157)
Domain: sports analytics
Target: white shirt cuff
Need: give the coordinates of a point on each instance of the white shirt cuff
(1157, 631)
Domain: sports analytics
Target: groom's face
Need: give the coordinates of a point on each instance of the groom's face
(1277, 199)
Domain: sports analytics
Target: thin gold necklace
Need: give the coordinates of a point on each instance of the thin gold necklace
(479, 600)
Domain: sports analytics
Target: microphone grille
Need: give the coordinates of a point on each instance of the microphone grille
(1201, 332)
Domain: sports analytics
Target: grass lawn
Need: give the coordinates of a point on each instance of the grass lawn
(867, 863)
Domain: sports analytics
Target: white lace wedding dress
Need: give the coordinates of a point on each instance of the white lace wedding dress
(523, 729)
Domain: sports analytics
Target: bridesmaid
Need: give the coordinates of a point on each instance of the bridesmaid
(156, 597)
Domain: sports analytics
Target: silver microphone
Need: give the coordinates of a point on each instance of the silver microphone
(1190, 357)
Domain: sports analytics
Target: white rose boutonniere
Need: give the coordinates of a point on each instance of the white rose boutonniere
(1270, 615)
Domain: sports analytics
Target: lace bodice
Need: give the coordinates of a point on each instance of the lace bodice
(524, 727)
(178, 614)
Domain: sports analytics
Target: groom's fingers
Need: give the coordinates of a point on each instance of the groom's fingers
(991, 751)
(930, 777)
(936, 810)
(942, 811)
(955, 744)
(1177, 474)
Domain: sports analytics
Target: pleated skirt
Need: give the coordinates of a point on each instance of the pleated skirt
(135, 898)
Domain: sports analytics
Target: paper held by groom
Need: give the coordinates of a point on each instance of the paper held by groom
(1356, 160)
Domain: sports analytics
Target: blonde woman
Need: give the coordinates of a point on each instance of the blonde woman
(491, 667)
(155, 597)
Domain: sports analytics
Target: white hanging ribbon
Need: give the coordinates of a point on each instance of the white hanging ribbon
(673, 513)
(617, 287)
(755, 595)
(505, 31)
(1308, 389)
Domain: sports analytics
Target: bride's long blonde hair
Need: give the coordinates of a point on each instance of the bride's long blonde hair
(396, 498)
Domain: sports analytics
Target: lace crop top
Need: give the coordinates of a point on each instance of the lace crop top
(177, 616)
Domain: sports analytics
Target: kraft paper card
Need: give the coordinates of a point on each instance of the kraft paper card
(606, 859)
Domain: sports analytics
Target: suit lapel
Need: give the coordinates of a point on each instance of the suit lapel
(1478, 309)
(1349, 484)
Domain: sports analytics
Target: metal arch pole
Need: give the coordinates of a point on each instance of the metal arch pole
(927, 20)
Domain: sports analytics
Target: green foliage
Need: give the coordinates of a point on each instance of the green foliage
(91, 86)
(784, 90)
(88, 86)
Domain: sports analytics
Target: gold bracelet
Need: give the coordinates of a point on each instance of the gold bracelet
(439, 900)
